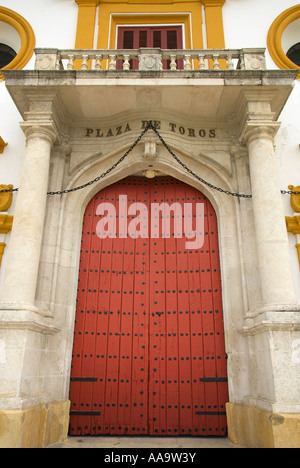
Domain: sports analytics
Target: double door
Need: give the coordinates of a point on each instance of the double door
(149, 354)
(163, 37)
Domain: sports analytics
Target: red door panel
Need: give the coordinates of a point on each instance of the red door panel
(149, 355)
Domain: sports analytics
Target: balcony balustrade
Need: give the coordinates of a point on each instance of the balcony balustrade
(151, 59)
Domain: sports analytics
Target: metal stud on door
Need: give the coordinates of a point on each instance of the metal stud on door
(149, 354)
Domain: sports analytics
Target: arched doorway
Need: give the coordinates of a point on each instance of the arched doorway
(149, 350)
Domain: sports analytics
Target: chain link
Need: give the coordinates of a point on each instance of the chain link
(214, 187)
(150, 126)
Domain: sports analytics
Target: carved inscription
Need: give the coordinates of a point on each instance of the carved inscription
(185, 131)
(114, 131)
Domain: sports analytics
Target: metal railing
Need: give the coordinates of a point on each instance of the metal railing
(150, 59)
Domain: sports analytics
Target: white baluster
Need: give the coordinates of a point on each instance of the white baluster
(98, 65)
(187, 62)
(160, 63)
(112, 64)
(126, 63)
(70, 65)
(58, 65)
(201, 62)
(84, 65)
(216, 64)
(242, 65)
(173, 64)
(230, 65)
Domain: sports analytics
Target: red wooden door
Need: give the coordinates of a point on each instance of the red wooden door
(149, 354)
(162, 37)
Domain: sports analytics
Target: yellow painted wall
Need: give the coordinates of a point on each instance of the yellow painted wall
(112, 14)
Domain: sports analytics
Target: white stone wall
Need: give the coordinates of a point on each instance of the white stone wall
(246, 24)
(54, 25)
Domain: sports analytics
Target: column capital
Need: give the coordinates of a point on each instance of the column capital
(39, 129)
(254, 130)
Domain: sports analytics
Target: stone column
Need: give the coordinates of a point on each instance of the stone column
(23, 255)
(278, 290)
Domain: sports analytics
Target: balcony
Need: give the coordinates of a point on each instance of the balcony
(96, 88)
(150, 59)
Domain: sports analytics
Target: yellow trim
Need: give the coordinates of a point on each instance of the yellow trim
(2, 247)
(122, 13)
(113, 13)
(293, 222)
(6, 197)
(26, 34)
(6, 223)
(293, 226)
(214, 27)
(295, 199)
(2, 145)
(86, 23)
(214, 23)
(298, 250)
(148, 2)
(275, 36)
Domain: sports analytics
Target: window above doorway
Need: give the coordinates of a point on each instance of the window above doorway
(162, 37)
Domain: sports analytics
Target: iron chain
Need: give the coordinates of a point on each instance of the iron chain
(214, 187)
(150, 126)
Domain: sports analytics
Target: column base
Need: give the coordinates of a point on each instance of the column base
(256, 428)
(36, 427)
